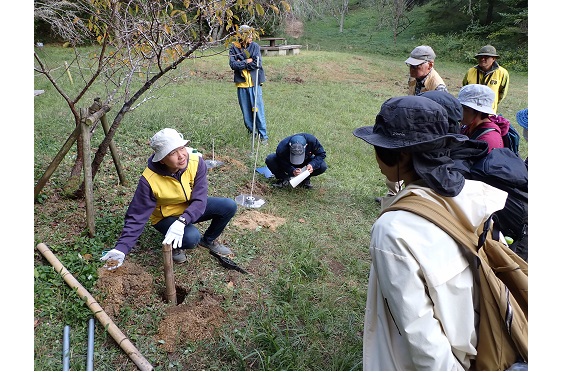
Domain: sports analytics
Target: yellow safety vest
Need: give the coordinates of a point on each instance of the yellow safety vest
(172, 196)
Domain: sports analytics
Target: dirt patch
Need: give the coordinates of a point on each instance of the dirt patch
(229, 163)
(131, 284)
(252, 219)
(196, 321)
(117, 286)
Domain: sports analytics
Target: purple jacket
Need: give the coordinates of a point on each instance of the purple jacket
(144, 202)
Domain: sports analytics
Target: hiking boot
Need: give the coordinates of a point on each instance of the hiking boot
(178, 255)
(281, 183)
(306, 184)
(217, 247)
(265, 141)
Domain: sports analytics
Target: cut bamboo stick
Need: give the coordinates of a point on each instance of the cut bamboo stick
(100, 314)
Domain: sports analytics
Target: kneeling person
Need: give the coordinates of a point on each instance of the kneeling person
(172, 193)
(293, 154)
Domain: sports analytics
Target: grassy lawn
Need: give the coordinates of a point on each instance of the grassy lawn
(302, 307)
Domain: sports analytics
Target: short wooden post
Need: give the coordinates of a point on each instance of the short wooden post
(87, 173)
(169, 274)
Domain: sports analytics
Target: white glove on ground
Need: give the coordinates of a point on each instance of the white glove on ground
(175, 234)
(114, 255)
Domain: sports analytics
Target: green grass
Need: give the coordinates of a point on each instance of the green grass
(304, 309)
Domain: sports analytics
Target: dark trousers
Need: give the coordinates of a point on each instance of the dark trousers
(219, 210)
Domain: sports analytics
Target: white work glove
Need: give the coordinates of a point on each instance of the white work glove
(113, 255)
(175, 234)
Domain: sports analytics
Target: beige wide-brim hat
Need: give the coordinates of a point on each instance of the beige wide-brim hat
(165, 141)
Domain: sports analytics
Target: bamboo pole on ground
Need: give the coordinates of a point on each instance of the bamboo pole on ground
(169, 274)
(100, 314)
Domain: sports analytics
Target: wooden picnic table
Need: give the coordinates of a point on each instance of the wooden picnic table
(273, 40)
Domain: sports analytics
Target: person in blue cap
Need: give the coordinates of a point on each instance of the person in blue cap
(293, 155)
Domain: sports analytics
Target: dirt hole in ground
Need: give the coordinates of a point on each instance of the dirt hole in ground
(193, 319)
(181, 294)
(130, 285)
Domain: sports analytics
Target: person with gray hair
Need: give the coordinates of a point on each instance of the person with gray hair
(248, 75)
(422, 74)
(422, 78)
(173, 193)
(422, 300)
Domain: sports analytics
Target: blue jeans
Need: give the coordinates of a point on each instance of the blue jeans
(246, 97)
(219, 210)
(281, 173)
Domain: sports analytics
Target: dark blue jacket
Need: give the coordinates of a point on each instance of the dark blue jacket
(314, 153)
(237, 57)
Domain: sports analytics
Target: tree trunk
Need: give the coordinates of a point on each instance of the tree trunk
(490, 12)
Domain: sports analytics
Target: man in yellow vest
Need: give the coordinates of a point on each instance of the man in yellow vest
(489, 72)
(172, 193)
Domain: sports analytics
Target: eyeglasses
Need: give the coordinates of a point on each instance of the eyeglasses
(417, 66)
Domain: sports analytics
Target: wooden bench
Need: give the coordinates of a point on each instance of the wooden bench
(273, 40)
(278, 50)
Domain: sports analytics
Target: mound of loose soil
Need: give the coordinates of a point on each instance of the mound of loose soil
(251, 219)
(131, 284)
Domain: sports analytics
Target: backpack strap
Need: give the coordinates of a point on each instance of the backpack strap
(480, 132)
(438, 215)
(505, 261)
(503, 328)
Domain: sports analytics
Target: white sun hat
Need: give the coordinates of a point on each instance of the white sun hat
(165, 141)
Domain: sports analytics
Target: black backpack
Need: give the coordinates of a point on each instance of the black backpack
(506, 171)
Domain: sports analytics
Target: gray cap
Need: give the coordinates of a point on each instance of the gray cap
(421, 54)
(487, 50)
(478, 97)
(297, 145)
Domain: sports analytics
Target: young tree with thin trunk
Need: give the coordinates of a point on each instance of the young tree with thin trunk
(138, 45)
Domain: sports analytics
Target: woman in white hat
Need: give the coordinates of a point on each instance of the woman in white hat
(479, 120)
(172, 193)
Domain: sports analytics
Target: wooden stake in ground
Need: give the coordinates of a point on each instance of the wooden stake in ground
(169, 274)
(100, 314)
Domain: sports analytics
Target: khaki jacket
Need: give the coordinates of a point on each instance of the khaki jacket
(430, 82)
